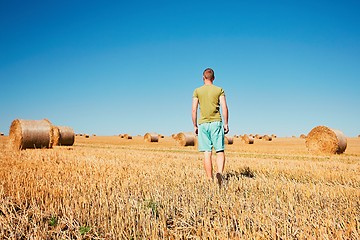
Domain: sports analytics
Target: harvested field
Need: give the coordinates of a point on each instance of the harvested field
(112, 188)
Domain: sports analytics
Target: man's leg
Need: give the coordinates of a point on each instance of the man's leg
(208, 165)
(220, 161)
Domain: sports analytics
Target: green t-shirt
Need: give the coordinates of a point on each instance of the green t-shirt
(209, 101)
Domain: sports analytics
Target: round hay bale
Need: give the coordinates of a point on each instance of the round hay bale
(247, 139)
(151, 137)
(258, 136)
(229, 140)
(303, 136)
(185, 139)
(66, 136)
(323, 140)
(1, 134)
(127, 136)
(30, 134)
(86, 135)
(55, 136)
(273, 135)
(267, 138)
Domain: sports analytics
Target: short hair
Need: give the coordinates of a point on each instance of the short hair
(209, 74)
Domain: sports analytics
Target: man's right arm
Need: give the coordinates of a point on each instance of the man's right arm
(195, 104)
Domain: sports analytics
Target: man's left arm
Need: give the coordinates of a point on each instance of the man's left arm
(225, 112)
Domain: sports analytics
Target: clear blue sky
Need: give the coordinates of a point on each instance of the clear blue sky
(110, 67)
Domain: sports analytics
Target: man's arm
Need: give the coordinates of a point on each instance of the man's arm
(225, 112)
(195, 104)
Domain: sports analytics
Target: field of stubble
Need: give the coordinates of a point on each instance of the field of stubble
(113, 188)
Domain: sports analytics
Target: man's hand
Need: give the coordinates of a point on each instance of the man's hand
(226, 128)
(196, 130)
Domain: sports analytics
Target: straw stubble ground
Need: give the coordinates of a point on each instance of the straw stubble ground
(113, 188)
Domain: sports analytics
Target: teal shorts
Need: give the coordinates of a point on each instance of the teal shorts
(211, 135)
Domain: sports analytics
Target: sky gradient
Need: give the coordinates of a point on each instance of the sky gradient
(111, 67)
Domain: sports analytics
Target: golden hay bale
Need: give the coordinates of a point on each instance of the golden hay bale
(273, 135)
(127, 136)
(151, 137)
(229, 140)
(1, 134)
(247, 139)
(267, 138)
(185, 139)
(322, 139)
(86, 135)
(66, 136)
(30, 134)
(54, 136)
(62, 136)
(303, 136)
(258, 136)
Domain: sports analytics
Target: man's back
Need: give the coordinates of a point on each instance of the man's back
(209, 100)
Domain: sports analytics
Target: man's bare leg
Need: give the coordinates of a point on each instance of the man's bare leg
(220, 161)
(208, 165)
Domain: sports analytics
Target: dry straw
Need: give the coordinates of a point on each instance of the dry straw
(247, 139)
(185, 139)
(323, 140)
(30, 134)
(55, 136)
(151, 137)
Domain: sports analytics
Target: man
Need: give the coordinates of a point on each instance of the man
(212, 127)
